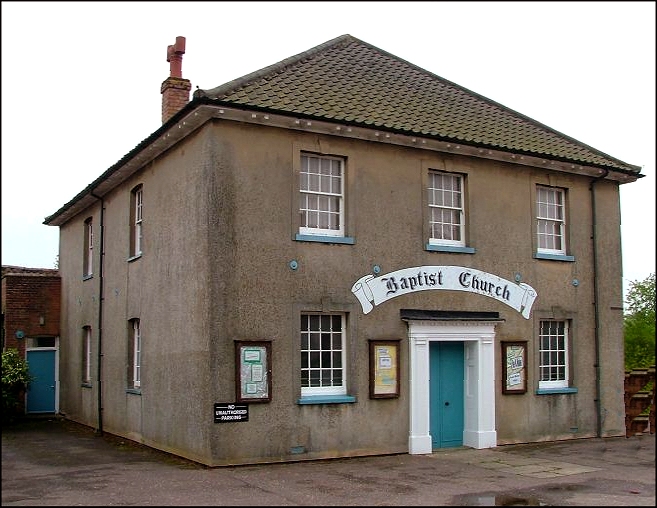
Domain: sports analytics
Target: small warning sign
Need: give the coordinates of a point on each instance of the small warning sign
(231, 412)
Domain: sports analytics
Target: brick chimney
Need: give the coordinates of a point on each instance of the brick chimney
(175, 90)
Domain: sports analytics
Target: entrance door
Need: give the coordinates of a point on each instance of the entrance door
(41, 392)
(446, 398)
(475, 341)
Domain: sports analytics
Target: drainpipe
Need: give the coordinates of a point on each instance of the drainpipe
(596, 305)
(99, 431)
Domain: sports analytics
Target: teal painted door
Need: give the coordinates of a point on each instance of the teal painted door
(41, 392)
(446, 403)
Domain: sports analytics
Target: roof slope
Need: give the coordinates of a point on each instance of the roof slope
(350, 81)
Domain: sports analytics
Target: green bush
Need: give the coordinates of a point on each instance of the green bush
(639, 333)
(15, 380)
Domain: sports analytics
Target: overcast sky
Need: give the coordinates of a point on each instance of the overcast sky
(81, 83)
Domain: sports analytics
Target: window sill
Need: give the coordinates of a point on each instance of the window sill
(133, 258)
(87, 277)
(133, 391)
(327, 399)
(325, 239)
(449, 248)
(555, 391)
(86, 385)
(554, 257)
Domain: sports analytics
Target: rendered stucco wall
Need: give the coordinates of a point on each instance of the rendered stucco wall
(219, 223)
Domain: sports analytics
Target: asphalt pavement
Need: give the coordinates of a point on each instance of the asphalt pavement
(55, 462)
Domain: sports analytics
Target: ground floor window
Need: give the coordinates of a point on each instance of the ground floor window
(323, 354)
(135, 348)
(553, 352)
(86, 355)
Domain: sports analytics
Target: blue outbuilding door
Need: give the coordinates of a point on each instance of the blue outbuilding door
(40, 397)
(446, 396)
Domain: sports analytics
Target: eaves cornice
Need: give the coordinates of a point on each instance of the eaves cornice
(201, 110)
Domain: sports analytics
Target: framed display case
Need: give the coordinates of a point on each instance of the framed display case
(514, 367)
(253, 371)
(384, 369)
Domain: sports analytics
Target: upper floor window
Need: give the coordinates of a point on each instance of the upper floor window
(321, 199)
(551, 220)
(553, 353)
(86, 355)
(446, 211)
(87, 255)
(323, 354)
(136, 205)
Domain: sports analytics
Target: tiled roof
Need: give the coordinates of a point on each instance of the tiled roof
(22, 270)
(350, 81)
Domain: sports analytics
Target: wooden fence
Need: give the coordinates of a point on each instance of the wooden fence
(639, 397)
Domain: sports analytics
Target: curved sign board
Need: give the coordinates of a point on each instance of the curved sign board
(372, 291)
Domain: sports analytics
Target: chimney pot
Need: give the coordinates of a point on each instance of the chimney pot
(175, 53)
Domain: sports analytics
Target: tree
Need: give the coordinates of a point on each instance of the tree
(15, 380)
(640, 324)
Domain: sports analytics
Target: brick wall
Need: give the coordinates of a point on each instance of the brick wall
(175, 95)
(31, 302)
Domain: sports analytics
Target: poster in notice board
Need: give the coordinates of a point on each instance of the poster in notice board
(384, 369)
(253, 371)
(514, 367)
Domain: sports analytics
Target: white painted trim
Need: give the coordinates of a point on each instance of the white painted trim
(479, 384)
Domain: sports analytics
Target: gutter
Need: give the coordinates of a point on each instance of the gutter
(99, 430)
(596, 306)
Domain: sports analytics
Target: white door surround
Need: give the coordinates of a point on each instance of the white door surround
(478, 338)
